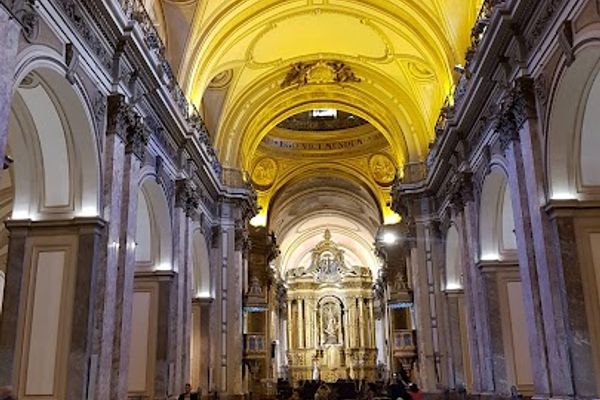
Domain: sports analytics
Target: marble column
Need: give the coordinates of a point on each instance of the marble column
(9, 32)
(228, 338)
(569, 241)
(135, 142)
(550, 269)
(124, 146)
(425, 297)
(477, 313)
(494, 323)
(186, 203)
(528, 268)
(79, 241)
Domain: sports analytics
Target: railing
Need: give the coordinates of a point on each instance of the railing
(135, 11)
(404, 341)
(254, 343)
(455, 99)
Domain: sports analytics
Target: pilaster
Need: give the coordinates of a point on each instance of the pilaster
(71, 248)
(550, 277)
(421, 238)
(9, 32)
(186, 204)
(527, 262)
(231, 244)
(122, 160)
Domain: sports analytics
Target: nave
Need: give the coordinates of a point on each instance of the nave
(268, 199)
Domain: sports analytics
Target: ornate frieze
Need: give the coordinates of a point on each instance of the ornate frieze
(319, 72)
(547, 13)
(24, 11)
(97, 46)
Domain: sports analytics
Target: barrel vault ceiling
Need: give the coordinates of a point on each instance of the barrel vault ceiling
(250, 65)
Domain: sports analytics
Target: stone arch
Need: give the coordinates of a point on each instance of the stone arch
(572, 145)
(202, 287)
(154, 246)
(453, 279)
(56, 169)
(572, 137)
(496, 220)
(505, 307)
(55, 172)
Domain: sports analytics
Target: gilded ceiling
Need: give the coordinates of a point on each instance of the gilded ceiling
(388, 62)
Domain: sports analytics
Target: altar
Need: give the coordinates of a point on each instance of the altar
(331, 328)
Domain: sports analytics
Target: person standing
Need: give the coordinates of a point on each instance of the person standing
(188, 395)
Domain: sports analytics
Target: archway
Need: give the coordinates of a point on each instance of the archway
(573, 142)
(500, 269)
(154, 237)
(202, 299)
(454, 279)
(460, 372)
(53, 180)
(153, 279)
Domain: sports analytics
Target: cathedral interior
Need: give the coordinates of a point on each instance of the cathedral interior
(256, 197)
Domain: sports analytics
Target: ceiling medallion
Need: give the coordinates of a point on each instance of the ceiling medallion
(264, 173)
(319, 72)
(382, 169)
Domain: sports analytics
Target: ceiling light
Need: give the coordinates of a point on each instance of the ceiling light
(389, 238)
(324, 113)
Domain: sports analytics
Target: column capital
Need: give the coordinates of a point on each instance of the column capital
(186, 196)
(460, 191)
(123, 120)
(242, 239)
(515, 107)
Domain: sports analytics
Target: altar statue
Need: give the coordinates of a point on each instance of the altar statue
(331, 327)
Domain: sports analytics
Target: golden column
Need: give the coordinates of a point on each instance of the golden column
(300, 305)
(289, 325)
(371, 324)
(310, 323)
(361, 322)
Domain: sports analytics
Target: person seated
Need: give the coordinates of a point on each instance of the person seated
(6, 393)
(188, 395)
(415, 392)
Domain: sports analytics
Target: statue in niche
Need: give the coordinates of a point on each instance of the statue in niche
(330, 325)
(255, 288)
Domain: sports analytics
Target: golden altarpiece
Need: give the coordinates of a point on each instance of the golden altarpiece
(331, 327)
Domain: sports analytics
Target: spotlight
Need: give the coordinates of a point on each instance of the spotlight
(389, 238)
